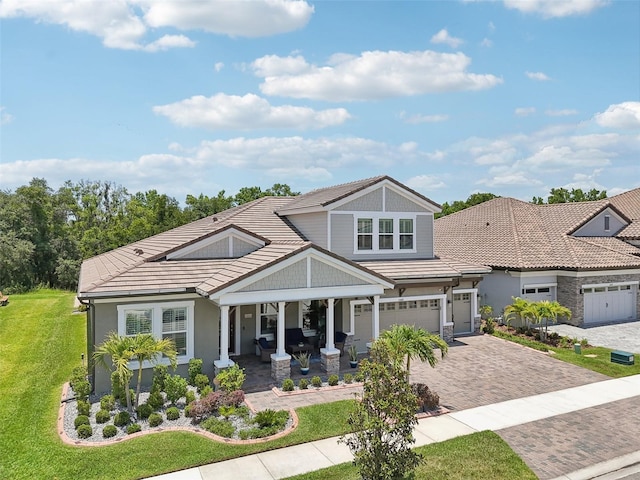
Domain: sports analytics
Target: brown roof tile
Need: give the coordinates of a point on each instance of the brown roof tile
(422, 269)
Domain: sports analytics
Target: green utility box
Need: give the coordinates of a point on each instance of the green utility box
(624, 358)
(577, 347)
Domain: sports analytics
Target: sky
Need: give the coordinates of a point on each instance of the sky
(511, 97)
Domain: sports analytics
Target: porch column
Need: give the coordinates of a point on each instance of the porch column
(280, 361)
(224, 361)
(330, 355)
(475, 316)
(281, 347)
(375, 316)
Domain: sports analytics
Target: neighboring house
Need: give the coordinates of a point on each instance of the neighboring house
(355, 258)
(585, 255)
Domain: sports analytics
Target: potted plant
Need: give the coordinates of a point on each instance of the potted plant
(303, 358)
(353, 356)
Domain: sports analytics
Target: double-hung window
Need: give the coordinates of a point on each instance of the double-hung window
(385, 233)
(171, 320)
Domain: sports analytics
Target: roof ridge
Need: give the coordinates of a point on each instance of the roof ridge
(514, 229)
(602, 245)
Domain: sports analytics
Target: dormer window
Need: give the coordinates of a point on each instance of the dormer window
(388, 233)
(607, 223)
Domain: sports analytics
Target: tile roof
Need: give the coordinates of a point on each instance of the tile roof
(423, 269)
(509, 233)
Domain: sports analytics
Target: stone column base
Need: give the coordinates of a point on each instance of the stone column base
(447, 333)
(280, 367)
(477, 322)
(330, 361)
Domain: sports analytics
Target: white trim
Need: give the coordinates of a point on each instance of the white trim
(296, 294)
(147, 298)
(156, 327)
(474, 303)
(309, 271)
(612, 284)
(539, 285)
(119, 295)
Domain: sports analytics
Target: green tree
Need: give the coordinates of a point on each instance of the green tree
(473, 199)
(281, 190)
(381, 424)
(119, 349)
(521, 309)
(408, 342)
(562, 195)
(546, 310)
(147, 348)
(203, 206)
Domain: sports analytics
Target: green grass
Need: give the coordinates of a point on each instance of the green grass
(41, 342)
(601, 363)
(480, 455)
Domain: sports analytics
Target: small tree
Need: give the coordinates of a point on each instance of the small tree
(407, 341)
(175, 387)
(520, 309)
(147, 348)
(382, 423)
(547, 310)
(119, 349)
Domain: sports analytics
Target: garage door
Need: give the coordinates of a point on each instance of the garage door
(461, 313)
(363, 326)
(421, 313)
(609, 303)
(538, 294)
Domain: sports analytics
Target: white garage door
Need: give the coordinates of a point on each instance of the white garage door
(609, 303)
(421, 313)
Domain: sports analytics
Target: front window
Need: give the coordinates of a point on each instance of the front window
(406, 234)
(172, 320)
(385, 234)
(268, 318)
(365, 234)
(607, 223)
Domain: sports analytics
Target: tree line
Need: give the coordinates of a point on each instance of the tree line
(45, 234)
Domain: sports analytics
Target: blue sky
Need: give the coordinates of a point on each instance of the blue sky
(451, 97)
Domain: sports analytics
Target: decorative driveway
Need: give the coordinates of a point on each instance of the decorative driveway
(618, 336)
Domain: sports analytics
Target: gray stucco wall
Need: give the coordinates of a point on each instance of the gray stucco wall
(313, 226)
(497, 290)
(595, 227)
(219, 249)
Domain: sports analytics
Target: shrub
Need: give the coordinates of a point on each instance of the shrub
(242, 412)
(144, 410)
(348, 378)
(159, 376)
(271, 419)
(231, 379)
(316, 381)
(303, 384)
(222, 428)
(226, 410)
(234, 398)
(116, 387)
(190, 397)
(173, 413)
(287, 385)
(82, 389)
(109, 431)
(208, 405)
(155, 419)
(103, 416)
(431, 400)
(489, 326)
(84, 408)
(133, 428)
(359, 377)
(333, 380)
(187, 410)
(427, 398)
(121, 418)
(175, 387)
(85, 431)
(107, 402)
(206, 391)
(155, 400)
(256, 433)
(81, 420)
(195, 369)
(201, 381)
(78, 374)
(584, 342)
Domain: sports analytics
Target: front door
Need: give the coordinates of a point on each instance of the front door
(233, 332)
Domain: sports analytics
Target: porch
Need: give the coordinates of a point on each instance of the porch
(259, 373)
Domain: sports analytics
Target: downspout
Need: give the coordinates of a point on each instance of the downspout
(91, 341)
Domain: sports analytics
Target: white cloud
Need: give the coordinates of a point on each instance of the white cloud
(556, 8)
(443, 37)
(541, 77)
(425, 183)
(525, 111)
(5, 117)
(123, 24)
(218, 66)
(561, 113)
(237, 19)
(486, 43)
(371, 75)
(491, 26)
(247, 112)
(509, 180)
(622, 115)
(416, 119)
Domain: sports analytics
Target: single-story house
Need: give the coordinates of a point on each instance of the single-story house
(585, 255)
(353, 258)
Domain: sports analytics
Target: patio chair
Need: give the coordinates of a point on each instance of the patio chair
(339, 339)
(266, 349)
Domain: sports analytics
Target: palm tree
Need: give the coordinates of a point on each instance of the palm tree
(120, 350)
(520, 309)
(146, 347)
(551, 311)
(407, 341)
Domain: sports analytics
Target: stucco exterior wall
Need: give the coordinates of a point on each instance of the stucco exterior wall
(497, 289)
(313, 226)
(595, 227)
(219, 249)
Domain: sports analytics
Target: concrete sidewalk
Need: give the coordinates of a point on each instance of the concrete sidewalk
(298, 459)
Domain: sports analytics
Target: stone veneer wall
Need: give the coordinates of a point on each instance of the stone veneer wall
(569, 293)
(447, 333)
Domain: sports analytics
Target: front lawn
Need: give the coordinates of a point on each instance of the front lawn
(479, 456)
(597, 359)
